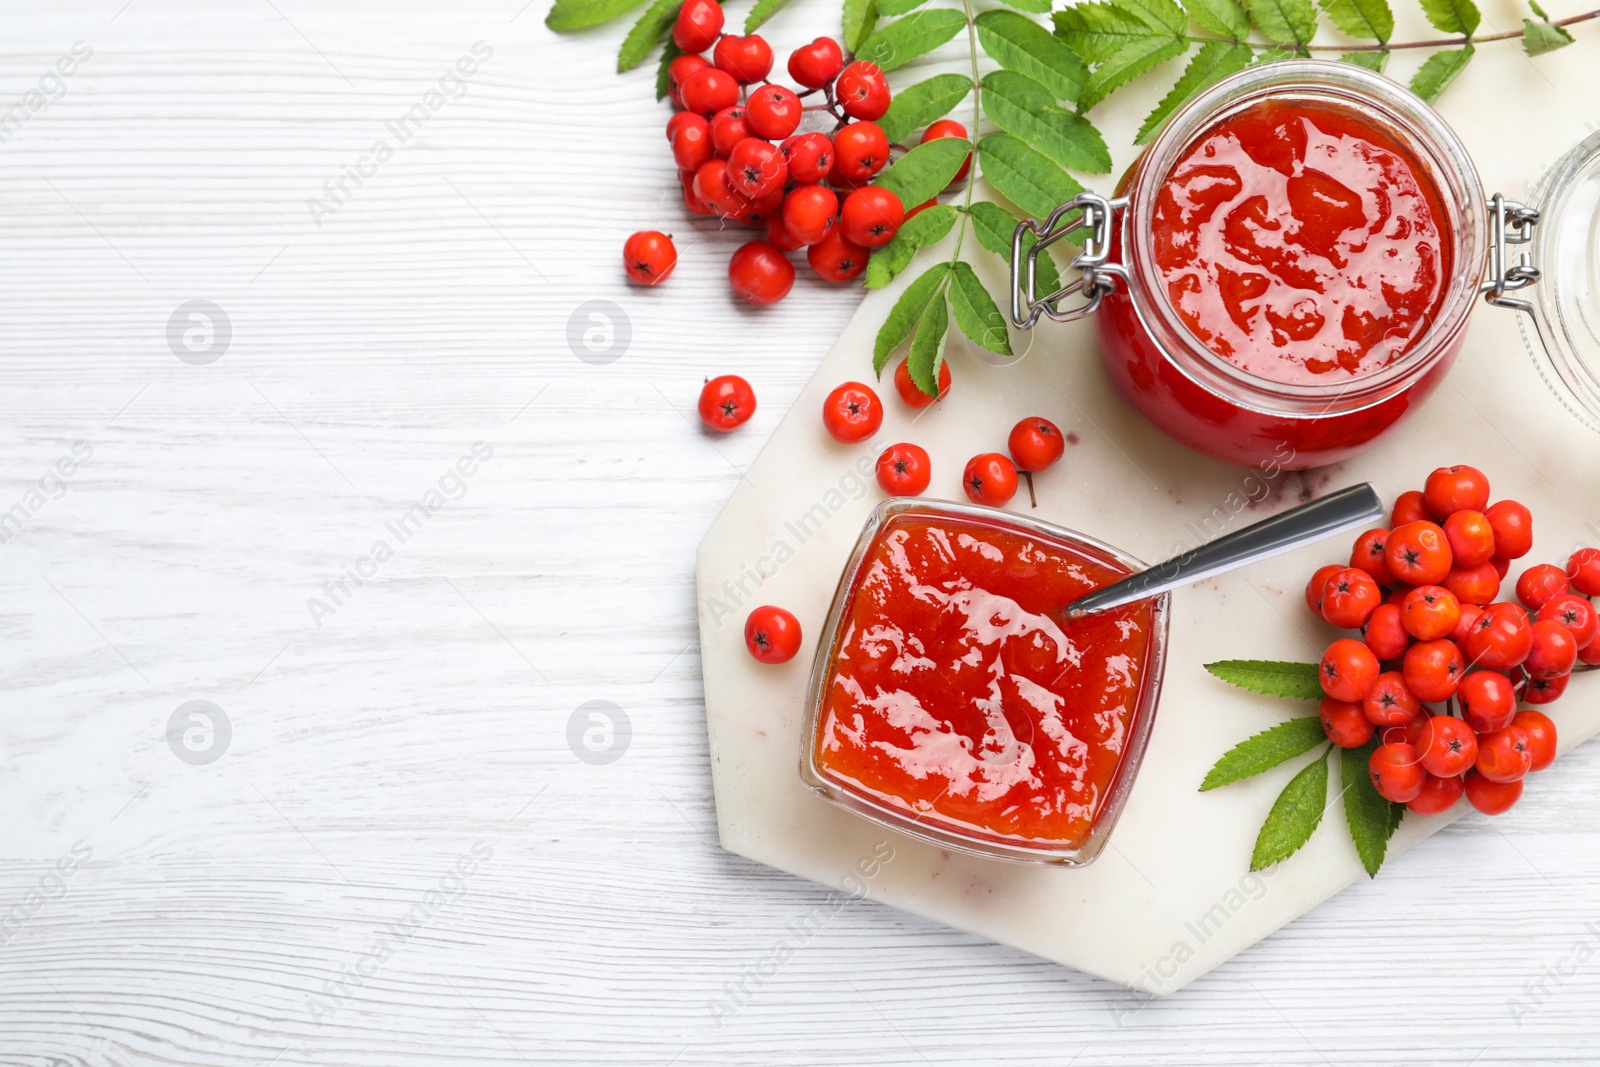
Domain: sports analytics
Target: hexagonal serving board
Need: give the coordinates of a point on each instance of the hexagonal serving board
(1171, 896)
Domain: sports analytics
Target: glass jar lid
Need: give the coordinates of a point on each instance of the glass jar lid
(1565, 303)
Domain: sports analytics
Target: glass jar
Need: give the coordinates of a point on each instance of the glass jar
(936, 741)
(1208, 402)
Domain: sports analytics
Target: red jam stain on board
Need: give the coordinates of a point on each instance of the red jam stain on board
(955, 696)
(1302, 240)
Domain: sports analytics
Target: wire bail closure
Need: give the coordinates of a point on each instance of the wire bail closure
(1510, 223)
(1096, 276)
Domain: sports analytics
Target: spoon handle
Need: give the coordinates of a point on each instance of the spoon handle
(1358, 505)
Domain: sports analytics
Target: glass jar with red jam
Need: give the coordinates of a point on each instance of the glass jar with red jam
(1289, 268)
(952, 700)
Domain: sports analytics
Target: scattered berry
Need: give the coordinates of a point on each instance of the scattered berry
(649, 257)
(1035, 443)
(904, 470)
(908, 390)
(726, 401)
(772, 634)
(1314, 587)
(852, 413)
(990, 478)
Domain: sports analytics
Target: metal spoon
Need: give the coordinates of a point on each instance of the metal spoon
(1358, 505)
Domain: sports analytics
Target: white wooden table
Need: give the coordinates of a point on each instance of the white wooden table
(401, 851)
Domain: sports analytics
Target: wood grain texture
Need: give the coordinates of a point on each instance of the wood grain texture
(232, 913)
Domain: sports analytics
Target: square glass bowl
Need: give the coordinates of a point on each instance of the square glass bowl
(1052, 798)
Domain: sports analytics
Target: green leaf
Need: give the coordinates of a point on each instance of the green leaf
(1371, 818)
(891, 8)
(1453, 16)
(906, 312)
(1366, 20)
(569, 15)
(763, 11)
(1215, 61)
(1037, 7)
(1265, 751)
(1097, 30)
(1023, 176)
(905, 39)
(663, 81)
(1275, 678)
(1541, 37)
(1286, 21)
(917, 232)
(1295, 815)
(1018, 104)
(860, 16)
(994, 226)
(650, 29)
(1224, 17)
(1439, 71)
(1125, 64)
(1022, 45)
(1158, 14)
(927, 347)
(975, 311)
(920, 174)
(917, 105)
(1375, 61)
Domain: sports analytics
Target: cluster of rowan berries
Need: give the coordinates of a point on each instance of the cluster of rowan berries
(1423, 593)
(742, 156)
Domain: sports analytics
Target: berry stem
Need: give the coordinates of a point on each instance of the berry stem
(1032, 499)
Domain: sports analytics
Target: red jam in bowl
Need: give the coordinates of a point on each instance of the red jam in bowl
(956, 697)
(1301, 241)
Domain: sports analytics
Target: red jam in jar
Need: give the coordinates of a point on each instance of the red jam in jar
(1302, 241)
(956, 696)
(1294, 266)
